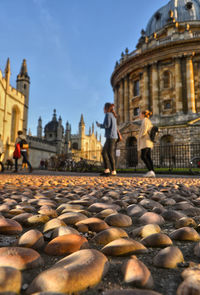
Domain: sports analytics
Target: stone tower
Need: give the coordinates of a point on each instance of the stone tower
(67, 137)
(39, 128)
(59, 136)
(81, 126)
(23, 85)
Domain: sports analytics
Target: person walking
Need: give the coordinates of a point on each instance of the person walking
(111, 135)
(21, 140)
(145, 145)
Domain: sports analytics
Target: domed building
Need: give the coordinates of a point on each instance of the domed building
(53, 133)
(162, 75)
(54, 139)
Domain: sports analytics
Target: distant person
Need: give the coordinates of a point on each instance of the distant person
(42, 164)
(21, 141)
(145, 145)
(46, 164)
(108, 152)
(9, 164)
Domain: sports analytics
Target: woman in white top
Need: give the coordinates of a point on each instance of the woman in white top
(145, 144)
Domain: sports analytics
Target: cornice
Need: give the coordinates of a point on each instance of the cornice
(181, 48)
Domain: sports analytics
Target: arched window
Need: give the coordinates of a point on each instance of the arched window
(14, 123)
(166, 139)
(167, 151)
(166, 79)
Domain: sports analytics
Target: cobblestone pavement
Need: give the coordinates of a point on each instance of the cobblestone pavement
(63, 233)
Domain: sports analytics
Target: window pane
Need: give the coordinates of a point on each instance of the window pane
(136, 88)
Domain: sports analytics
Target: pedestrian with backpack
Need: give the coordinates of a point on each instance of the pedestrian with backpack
(22, 142)
(145, 144)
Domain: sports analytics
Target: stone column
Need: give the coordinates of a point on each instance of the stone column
(178, 86)
(198, 71)
(130, 99)
(155, 89)
(121, 102)
(126, 99)
(145, 100)
(190, 85)
(116, 99)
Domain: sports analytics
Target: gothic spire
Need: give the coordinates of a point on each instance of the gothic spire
(7, 68)
(82, 123)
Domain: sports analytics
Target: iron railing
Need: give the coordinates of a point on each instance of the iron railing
(164, 156)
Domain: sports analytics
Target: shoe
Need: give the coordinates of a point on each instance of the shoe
(150, 174)
(31, 170)
(113, 173)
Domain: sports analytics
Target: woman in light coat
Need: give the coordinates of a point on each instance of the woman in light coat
(145, 145)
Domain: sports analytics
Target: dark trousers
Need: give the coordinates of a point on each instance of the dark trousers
(108, 153)
(146, 158)
(25, 160)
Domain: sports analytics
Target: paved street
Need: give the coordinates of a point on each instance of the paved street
(65, 233)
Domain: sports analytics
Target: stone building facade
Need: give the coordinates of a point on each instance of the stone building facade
(162, 75)
(13, 107)
(58, 140)
(87, 146)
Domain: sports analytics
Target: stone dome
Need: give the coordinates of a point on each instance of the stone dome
(177, 10)
(52, 126)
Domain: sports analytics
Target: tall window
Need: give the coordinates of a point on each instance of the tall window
(166, 79)
(14, 124)
(136, 88)
(136, 111)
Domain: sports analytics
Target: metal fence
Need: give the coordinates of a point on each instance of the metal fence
(164, 156)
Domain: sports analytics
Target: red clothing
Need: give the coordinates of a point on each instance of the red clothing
(17, 151)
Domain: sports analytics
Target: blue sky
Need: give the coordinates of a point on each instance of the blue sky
(71, 47)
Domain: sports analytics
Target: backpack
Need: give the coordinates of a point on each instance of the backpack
(153, 132)
(24, 144)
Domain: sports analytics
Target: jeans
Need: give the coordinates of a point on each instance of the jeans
(146, 158)
(108, 153)
(25, 160)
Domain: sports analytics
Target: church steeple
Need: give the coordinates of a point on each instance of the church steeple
(7, 68)
(59, 129)
(39, 128)
(23, 72)
(67, 137)
(81, 123)
(7, 74)
(81, 126)
(23, 84)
